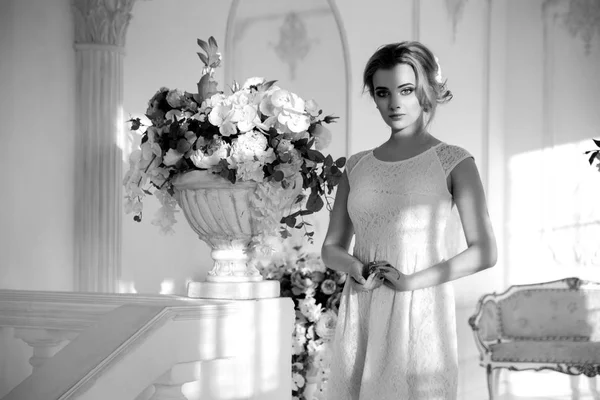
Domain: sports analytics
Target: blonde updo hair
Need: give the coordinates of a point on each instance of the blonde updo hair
(428, 90)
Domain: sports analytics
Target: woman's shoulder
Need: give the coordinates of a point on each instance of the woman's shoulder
(355, 158)
(450, 155)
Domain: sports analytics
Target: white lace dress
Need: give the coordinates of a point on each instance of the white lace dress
(398, 345)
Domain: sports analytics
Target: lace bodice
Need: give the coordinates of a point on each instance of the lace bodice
(398, 345)
(402, 206)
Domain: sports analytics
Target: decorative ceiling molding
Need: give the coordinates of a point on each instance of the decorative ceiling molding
(583, 19)
(455, 10)
(102, 21)
(294, 43)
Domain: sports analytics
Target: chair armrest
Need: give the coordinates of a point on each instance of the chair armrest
(485, 324)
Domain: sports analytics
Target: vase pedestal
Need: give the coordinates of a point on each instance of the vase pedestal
(234, 290)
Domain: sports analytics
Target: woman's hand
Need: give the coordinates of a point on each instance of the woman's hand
(356, 272)
(393, 278)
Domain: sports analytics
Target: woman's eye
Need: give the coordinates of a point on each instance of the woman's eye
(407, 91)
(381, 94)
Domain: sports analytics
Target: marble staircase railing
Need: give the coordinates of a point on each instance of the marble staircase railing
(130, 346)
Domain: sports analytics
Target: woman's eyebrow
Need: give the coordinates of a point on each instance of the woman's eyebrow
(399, 87)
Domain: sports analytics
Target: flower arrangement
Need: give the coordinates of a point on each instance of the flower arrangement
(316, 291)
(260, 132)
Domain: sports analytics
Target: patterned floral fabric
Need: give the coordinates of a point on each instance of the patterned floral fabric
(547, 352)
(551, 313)
(398, 345)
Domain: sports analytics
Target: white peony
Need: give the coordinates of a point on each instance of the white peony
(251, 146)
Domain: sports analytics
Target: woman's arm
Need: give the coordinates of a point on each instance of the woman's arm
(339, 235)
(481, 253)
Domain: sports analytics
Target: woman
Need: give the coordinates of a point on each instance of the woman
(396, 332)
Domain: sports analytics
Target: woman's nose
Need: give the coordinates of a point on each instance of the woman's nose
(395, 102)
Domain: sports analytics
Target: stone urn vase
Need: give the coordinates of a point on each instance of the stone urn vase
(229, 217)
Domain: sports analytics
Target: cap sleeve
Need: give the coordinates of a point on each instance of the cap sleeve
(450, 156)
(353, 161)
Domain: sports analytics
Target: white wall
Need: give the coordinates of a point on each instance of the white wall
(37, 82)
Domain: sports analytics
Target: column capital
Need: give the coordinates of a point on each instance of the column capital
(101, 22)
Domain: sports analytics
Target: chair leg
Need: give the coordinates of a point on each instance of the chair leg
(575, 395)
(594, 388)
(491, 381)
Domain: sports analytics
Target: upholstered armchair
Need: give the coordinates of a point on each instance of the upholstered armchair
(551, 325)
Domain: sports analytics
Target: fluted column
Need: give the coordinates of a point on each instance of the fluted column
(100, 27)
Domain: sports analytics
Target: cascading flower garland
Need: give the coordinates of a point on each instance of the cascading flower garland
(594, 154)
(316, 291)
(260, 132)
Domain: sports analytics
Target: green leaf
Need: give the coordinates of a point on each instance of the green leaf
(290, 221)
(267, 85)
(203, 44)
(593, 156)
(284, 233)
(328, 160)
(597, 142)
(314, 202)
(315, 155)
(213, 44)
(329, 119)
(183, 146)
(203, 58)
(340, 162)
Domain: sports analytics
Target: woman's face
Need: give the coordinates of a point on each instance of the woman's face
(395, 97)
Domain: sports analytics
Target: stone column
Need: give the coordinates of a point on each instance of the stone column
(100, 27)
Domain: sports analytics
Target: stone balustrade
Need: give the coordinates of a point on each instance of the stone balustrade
(94, 345)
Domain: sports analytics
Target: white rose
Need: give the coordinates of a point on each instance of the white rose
(175, 98)
(173, 114)
(254, 81)
(219, 114)
(310, 309)
(246, 118)
(172, 157)
(326, 324)
(217, 150)
(227, 129)
(312, 108)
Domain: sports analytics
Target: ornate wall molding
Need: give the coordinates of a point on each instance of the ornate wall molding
(294, 43)
(583, 19)
(455, 10)
(233, 31)
(102, 21)
(416, 20)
